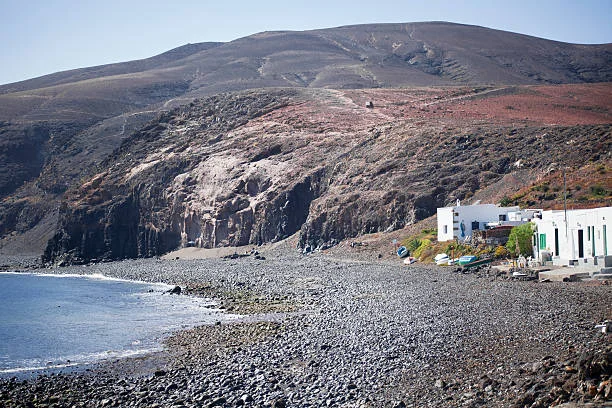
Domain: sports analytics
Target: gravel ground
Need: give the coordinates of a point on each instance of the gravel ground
(343, 333)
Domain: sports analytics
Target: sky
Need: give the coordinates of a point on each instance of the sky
(39, 37)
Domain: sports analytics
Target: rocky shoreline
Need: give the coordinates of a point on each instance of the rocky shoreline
(346, 333)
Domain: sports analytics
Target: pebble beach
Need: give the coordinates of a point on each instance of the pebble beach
(319, 331)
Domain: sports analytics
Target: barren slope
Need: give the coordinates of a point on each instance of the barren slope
(257, 166)
(55, 131)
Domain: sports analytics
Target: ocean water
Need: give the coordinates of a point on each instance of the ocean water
(50, 322)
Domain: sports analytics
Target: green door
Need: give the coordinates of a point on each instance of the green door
(542, 241)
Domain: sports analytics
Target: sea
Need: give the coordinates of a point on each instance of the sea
(50, 323)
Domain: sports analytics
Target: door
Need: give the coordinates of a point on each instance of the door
(556, 241)
(580, 243)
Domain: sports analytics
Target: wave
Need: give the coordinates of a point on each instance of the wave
(73, 361)
(195, 302)
(94, 276)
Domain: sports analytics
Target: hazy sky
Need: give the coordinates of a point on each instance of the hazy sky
(40, 37)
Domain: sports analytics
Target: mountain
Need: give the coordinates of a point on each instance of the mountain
(258, 166)
(102, 71)
(67, 140)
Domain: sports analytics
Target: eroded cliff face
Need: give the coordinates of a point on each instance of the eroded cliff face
(190, 177)
(258, 166)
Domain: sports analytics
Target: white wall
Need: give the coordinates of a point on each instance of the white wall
(445, 224)
(595, 226)
(523, 215)
(458, 219)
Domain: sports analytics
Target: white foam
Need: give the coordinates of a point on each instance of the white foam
(73, 361)
(93, 276)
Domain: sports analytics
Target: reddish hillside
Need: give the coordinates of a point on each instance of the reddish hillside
(549, 105)
(255, 167)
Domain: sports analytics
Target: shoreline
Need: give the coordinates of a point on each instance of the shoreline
(375, 335)
(199, 311)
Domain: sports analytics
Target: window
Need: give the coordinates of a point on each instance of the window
(445, 229)
(542, 241)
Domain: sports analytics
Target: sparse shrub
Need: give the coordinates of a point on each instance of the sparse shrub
(413, 244)
(505, 201)
(417, 253)
(484, 251)
(549, 196)
(428, 252)
(598, 191)
(421, 244)
(457, 249)
(544, 187)
(430, 232)
(501, 252)
(428, 247)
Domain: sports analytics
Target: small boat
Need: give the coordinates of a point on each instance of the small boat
(410, 260)
(478, 262)
(402, 252)
(466, 259)
(604, 327)
(441, 259)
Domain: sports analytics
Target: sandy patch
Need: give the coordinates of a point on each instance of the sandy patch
(208, 253)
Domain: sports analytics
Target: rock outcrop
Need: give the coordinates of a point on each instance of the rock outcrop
(258, 166)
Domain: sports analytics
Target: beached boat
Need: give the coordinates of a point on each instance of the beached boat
(466, 259)
(441, 259)
(410, 260)
(478, 262)
(402, 252)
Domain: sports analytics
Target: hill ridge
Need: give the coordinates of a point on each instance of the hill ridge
(55, 139)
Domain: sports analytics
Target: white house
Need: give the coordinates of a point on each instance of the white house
(459, 221)
(574, 237)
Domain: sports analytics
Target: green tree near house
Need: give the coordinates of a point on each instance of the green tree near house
(521, 235)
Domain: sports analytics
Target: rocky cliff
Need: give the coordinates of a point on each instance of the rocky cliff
(258, 166)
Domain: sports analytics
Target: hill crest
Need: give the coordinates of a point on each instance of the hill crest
(59, 131)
